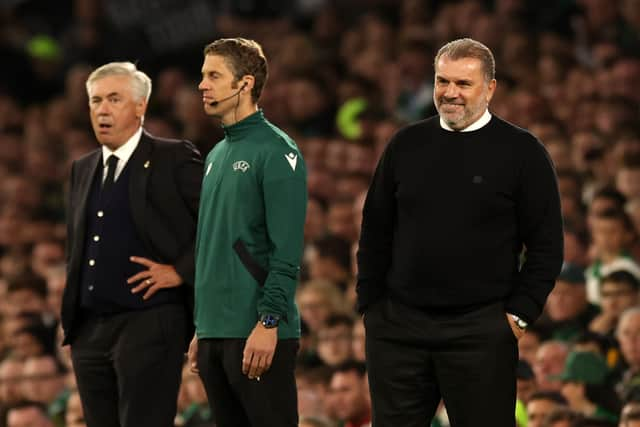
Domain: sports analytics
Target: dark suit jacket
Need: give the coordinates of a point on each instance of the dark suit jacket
(164, 191)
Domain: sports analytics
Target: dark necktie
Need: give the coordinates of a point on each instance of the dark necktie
(112, 162)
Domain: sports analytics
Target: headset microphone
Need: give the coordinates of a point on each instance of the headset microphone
(214, 103)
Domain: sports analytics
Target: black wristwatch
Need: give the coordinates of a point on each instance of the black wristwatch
(269, 321)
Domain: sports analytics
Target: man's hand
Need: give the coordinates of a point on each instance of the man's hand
(156, 277)
(258, 351)
(516, 330)
(192, 355)
(603, 323)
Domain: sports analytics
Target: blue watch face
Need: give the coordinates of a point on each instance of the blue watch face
(269, 321)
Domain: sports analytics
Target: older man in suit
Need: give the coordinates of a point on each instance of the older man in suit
(127, 306)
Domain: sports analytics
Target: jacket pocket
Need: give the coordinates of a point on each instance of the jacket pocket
(252, 266)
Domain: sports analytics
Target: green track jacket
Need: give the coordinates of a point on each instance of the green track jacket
(250, 231)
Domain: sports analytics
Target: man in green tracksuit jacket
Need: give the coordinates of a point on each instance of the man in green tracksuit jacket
(248, 248)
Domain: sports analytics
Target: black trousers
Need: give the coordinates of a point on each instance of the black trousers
(236, 400)
(415, 358)
(128, 366)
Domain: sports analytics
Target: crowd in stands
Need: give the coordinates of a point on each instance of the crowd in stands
(343, 77)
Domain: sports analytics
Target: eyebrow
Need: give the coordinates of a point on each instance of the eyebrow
(445, 79)
(109, 95)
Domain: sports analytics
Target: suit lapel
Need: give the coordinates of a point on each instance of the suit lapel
(139, 169)
(86, 175)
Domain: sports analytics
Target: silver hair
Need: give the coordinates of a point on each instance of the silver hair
(631, 311)
(140, 82)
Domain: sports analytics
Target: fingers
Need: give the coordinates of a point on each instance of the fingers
(144, 261)
(247, 358)
(268, 361)
(257, 367)
(140, 276)
(192, 357)
(143, 285)
(255, 364)
(152, 290)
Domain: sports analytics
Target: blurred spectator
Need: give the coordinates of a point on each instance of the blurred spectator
(628, 335)
(575, 250)
(562, 417)
(312, 384)
(335, 338)
(330, 259)
(592, 342)
(528, 344)
(633, 210)
(309, 104)
(605, 198)
(46, 254)
(167, 85)
(74, 415)
(317, 300)
(525, 381)
(541, 404)
(412, 81)
(34, 339)
(321, 183)
(26, 293)
(630, 415)
(315, 226)
(43, 382)
(567, 312)
(612, 234)
(625, 72)
(195, 411)
(56, 277)
(11, 377)
(628, 177)
(585, 386)
(618, 292)
(349, 394)
(340, 218)
(550, 359)
(358, 347)
(350, 184)
(27, 413)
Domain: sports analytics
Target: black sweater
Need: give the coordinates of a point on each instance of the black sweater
(447, 216)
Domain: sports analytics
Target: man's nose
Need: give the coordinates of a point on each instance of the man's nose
(452, 91)
(102, 108)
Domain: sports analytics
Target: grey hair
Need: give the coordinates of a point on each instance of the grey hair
(469, 48)
(631, 311)
(140, 82)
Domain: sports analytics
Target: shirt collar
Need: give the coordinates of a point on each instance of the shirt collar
(239, 129)
(123, 152)
(482, 121)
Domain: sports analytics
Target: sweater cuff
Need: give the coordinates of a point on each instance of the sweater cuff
(523, 306)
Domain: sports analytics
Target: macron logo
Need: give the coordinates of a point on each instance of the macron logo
(292, 158)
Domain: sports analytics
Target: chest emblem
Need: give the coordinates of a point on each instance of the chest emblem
(241, 165)
(292, 158)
